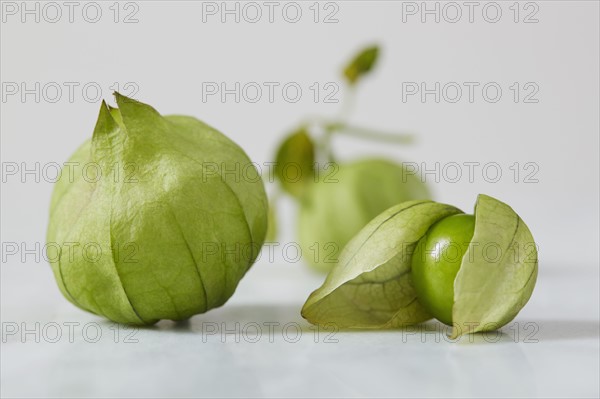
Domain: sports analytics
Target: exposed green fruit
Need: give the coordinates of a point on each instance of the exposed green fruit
(340, 204)
(158, 218)
(437, 259)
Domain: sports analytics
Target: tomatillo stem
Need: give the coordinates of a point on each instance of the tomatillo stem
(370, 134)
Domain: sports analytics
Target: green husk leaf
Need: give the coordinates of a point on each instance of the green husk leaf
(361, 64)
(371, 285)
(490, 290)
(295, 158)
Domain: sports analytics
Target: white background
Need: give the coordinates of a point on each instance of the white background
(170, 52)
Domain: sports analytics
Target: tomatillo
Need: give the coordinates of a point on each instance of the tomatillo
(436, 261)
(150, 236)
(423, 259)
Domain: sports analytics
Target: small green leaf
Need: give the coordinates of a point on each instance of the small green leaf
(498, 271)
(371, 285)
(294, 165)
(361, 64)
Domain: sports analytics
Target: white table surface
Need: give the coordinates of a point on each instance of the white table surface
(555, 355)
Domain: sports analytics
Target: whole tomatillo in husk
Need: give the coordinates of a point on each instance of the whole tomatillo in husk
(162, 229)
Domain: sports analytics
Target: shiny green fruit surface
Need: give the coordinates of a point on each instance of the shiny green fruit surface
(436, 261)
(345, 199)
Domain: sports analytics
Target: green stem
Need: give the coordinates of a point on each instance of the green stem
(370, 134)
(348, 101)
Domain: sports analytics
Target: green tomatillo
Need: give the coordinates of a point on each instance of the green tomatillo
(420, 259)
(161, 230)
